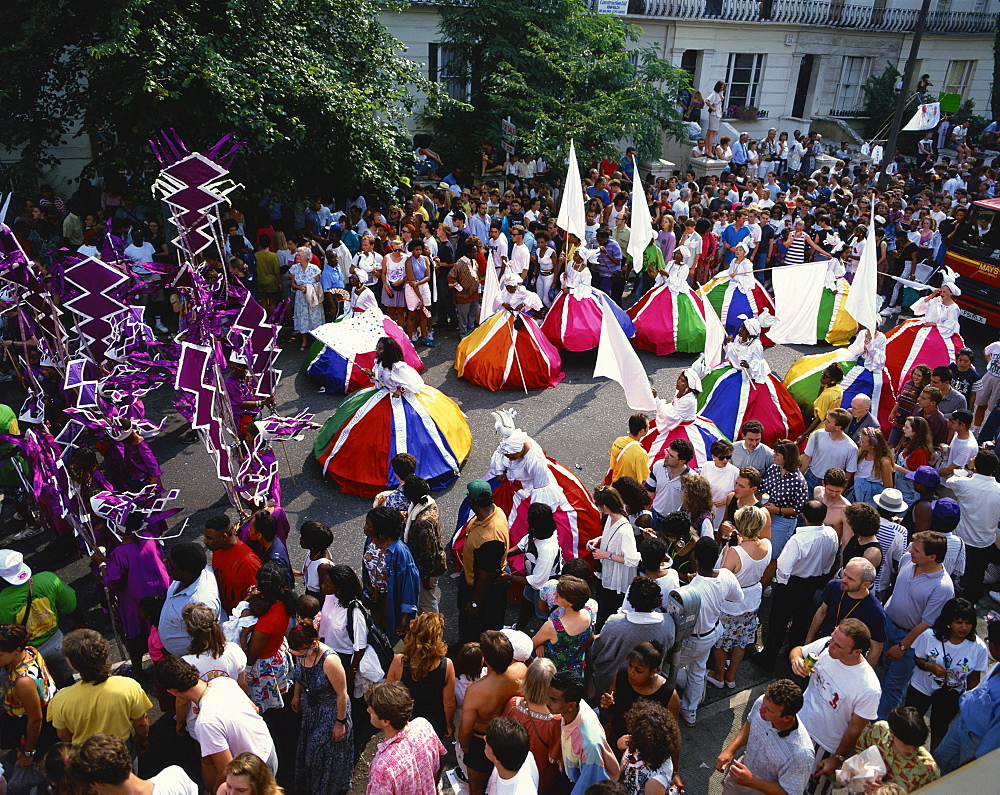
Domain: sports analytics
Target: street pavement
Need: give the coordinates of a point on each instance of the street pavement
(575, 423)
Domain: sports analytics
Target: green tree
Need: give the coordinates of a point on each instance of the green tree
(317, 88)
(880, 101)
(559, 71)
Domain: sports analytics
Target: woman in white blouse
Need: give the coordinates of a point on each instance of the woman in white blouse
(617, 552)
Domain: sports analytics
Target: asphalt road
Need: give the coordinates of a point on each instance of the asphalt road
(575, 423)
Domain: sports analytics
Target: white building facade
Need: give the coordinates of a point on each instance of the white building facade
(800, 63)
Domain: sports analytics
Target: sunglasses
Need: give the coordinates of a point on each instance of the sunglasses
(723, 457)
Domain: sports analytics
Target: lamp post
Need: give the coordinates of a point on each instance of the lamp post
(897, 117)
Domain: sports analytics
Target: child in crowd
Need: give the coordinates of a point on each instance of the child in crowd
(315, 538)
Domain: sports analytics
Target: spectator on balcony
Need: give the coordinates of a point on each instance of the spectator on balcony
(959, 141)
(741, 152)
(723, 151)
(714, 102)
(922, 85)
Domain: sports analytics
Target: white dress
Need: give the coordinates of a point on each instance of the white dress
(753, 354)
(934, 310)
(537, 481)
(399, 376)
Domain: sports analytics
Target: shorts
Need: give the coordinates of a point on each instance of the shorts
(475, 758)
(989, 391)
(413, 299)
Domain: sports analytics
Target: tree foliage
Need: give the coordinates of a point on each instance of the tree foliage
(317, 88)
(559, 71)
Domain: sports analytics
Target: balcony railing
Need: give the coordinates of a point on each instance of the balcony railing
(822, 13)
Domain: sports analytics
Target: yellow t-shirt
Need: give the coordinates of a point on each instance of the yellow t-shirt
(85, 709)
(632, 463)
(829, 398)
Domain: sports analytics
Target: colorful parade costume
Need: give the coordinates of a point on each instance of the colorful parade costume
(834, 325)
(574, 321)
(732, 393)
(345, 349)
(863, 363)
(670, 318)
(931, 339)
(679, 419)
(535, 477)
(508, 350)
(736, 292)
(400, 414)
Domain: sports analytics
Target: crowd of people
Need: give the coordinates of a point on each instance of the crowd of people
(849, 536)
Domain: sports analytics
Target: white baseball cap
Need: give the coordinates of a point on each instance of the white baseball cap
(13, 568)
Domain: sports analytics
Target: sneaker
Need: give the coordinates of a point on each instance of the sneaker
(28, 532)
(428, 342)
(715, 682)
(158, 325)
(994, 595)
(689, 716)
(731, 685)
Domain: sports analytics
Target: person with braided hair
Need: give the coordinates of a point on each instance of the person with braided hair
(267, 674)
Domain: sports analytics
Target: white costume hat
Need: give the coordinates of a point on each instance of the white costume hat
(514, 443)
(694, 381)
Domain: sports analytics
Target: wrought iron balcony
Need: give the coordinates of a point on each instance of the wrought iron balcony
(822, 13)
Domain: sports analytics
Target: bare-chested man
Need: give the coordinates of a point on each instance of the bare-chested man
(485, 700)
(831, 493)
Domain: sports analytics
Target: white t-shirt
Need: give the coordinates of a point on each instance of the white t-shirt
(232, 663)
(143, 253)
(961, 660)
(714, 591)
(228, 720)
(836, 693)
(962, 451)
(524, 782)
(333, 627)
(173, 781)
(826, 454)
(722, 480)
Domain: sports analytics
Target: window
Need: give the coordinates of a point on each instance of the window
(444, 67)
(743, 78)
(959, 77)
(853, 75)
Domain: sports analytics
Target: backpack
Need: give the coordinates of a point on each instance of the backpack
(377, 638)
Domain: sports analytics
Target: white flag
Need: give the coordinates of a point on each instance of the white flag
(927, 117)
(863, 295)
(641, 228)
(572, 218)
(715, 336)
(491, 289)
(617, 360)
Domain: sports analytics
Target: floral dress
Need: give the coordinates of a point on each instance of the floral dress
(306, 317)
(322, 765)
(569, 652)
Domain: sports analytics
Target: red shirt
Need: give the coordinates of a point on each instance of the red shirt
(274, 623)
(235, 571)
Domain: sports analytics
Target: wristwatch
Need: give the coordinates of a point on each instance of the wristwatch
(474, 604)
(28, 754)
(902, 645)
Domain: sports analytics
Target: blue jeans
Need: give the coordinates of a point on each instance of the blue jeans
(782, 529)
(958, 746)
(812, 481)
(897, 674)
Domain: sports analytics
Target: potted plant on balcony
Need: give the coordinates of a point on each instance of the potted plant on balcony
(743, 112)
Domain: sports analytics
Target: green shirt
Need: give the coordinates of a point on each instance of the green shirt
(652, 260)
(268, 271)
(51, 598)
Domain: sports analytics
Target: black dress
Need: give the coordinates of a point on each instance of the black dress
(855, 549)
(427, 693)
(625, 697)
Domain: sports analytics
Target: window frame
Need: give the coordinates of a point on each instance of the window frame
(968, 76)
(851, 95)
(756, 69)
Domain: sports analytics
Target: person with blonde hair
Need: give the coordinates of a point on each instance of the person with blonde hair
(428, 673)
(247, 774)
(746, 555)
(544, 730)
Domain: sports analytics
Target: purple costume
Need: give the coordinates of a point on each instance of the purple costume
(240, 391)
(135, 570)
(130, 467)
